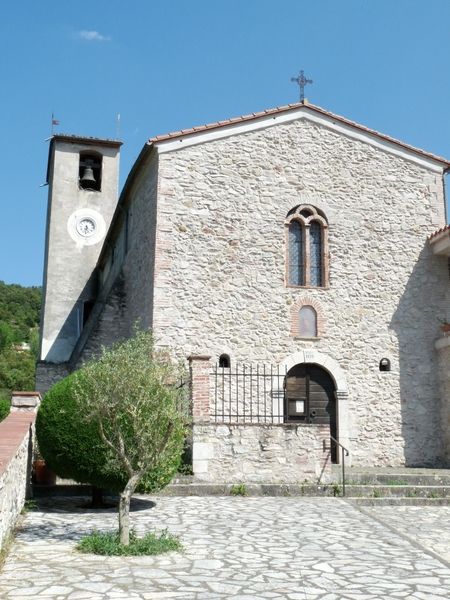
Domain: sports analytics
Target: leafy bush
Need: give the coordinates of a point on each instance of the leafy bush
(71, 444)
(5, 407)
(108, 544)
(133, 393)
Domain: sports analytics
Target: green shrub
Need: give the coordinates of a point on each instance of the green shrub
(239, 489)
(73, 449)
(5, 407)
(108, 544)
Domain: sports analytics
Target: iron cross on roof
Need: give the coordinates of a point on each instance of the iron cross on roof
(301, 81)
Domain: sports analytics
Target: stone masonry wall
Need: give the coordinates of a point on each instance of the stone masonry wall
(443, 357)
(47, 374)
(15, 463)
(261, 453)
(220, 271)
(130, 300)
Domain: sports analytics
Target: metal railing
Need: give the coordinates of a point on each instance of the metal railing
(248, 393)
(344, 453)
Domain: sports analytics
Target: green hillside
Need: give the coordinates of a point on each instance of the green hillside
(19, 324)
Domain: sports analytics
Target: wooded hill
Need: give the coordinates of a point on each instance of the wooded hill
(19, 327)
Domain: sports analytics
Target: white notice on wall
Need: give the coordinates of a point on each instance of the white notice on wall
(300, 406)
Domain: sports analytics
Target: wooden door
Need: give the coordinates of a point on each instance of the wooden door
(311, 398)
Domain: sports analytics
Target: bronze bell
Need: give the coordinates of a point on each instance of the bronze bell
(88, 178)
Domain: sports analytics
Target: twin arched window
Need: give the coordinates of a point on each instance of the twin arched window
(307, 263)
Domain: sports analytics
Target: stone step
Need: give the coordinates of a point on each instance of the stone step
(394, 476)
(400, 491)
(399, 501)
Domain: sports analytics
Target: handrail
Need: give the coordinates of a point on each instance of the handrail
(345, 453)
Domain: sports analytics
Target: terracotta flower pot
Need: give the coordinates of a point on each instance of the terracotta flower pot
(42, 474)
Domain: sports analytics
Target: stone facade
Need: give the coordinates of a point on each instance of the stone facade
(204, 265)
(220, 275)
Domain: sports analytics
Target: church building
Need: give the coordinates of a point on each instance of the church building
(296, 260)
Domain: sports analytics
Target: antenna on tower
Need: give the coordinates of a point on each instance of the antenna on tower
(301, 81)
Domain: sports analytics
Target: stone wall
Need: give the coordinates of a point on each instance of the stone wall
(16, 441)
(47, 374)
(220, 271)
(231, 454)
(127, 300)
(443, 357)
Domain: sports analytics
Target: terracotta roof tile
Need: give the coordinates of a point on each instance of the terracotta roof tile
(441, 230)
(291, 107)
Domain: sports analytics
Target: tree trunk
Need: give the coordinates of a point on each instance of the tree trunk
(124, 509)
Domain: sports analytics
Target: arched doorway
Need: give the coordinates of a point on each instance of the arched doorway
(310, 397)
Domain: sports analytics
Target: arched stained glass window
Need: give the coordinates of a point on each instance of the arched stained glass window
(307, 322)
(307, 263)
(296, 254)
(315, 239)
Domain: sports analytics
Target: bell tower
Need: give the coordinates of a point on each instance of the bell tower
(83, 178)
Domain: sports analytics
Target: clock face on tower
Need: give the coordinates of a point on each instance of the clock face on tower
(86, 227)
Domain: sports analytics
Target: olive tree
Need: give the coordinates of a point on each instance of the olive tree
(132, 393)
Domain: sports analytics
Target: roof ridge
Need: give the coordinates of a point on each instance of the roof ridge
(291, 107)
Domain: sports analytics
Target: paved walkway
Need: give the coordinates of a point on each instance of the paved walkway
(240, 548)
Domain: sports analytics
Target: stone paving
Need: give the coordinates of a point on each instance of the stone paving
(240, 548)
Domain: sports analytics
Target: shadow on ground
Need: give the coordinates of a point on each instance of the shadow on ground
(82, 504)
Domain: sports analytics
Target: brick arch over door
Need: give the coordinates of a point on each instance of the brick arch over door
(338, 375)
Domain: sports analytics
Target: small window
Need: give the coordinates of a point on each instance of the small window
(224, 361)
(90, 171)
(307, 322)
(385, 364)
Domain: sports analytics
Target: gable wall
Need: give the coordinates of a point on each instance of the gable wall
(220, 270)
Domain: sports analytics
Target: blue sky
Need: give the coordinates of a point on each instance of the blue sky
(171, 64)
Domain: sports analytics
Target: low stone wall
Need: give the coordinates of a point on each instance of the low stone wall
(224, 453)
(16, 440)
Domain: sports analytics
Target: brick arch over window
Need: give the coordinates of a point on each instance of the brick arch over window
(295, 315)
(307, 263)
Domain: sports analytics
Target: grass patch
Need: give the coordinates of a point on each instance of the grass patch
(396, 482)
(239, 489)
(4, 550)
(337, 490)
(29, 505)
(108, 544)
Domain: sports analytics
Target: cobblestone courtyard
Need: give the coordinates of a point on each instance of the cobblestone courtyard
(241, 548)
